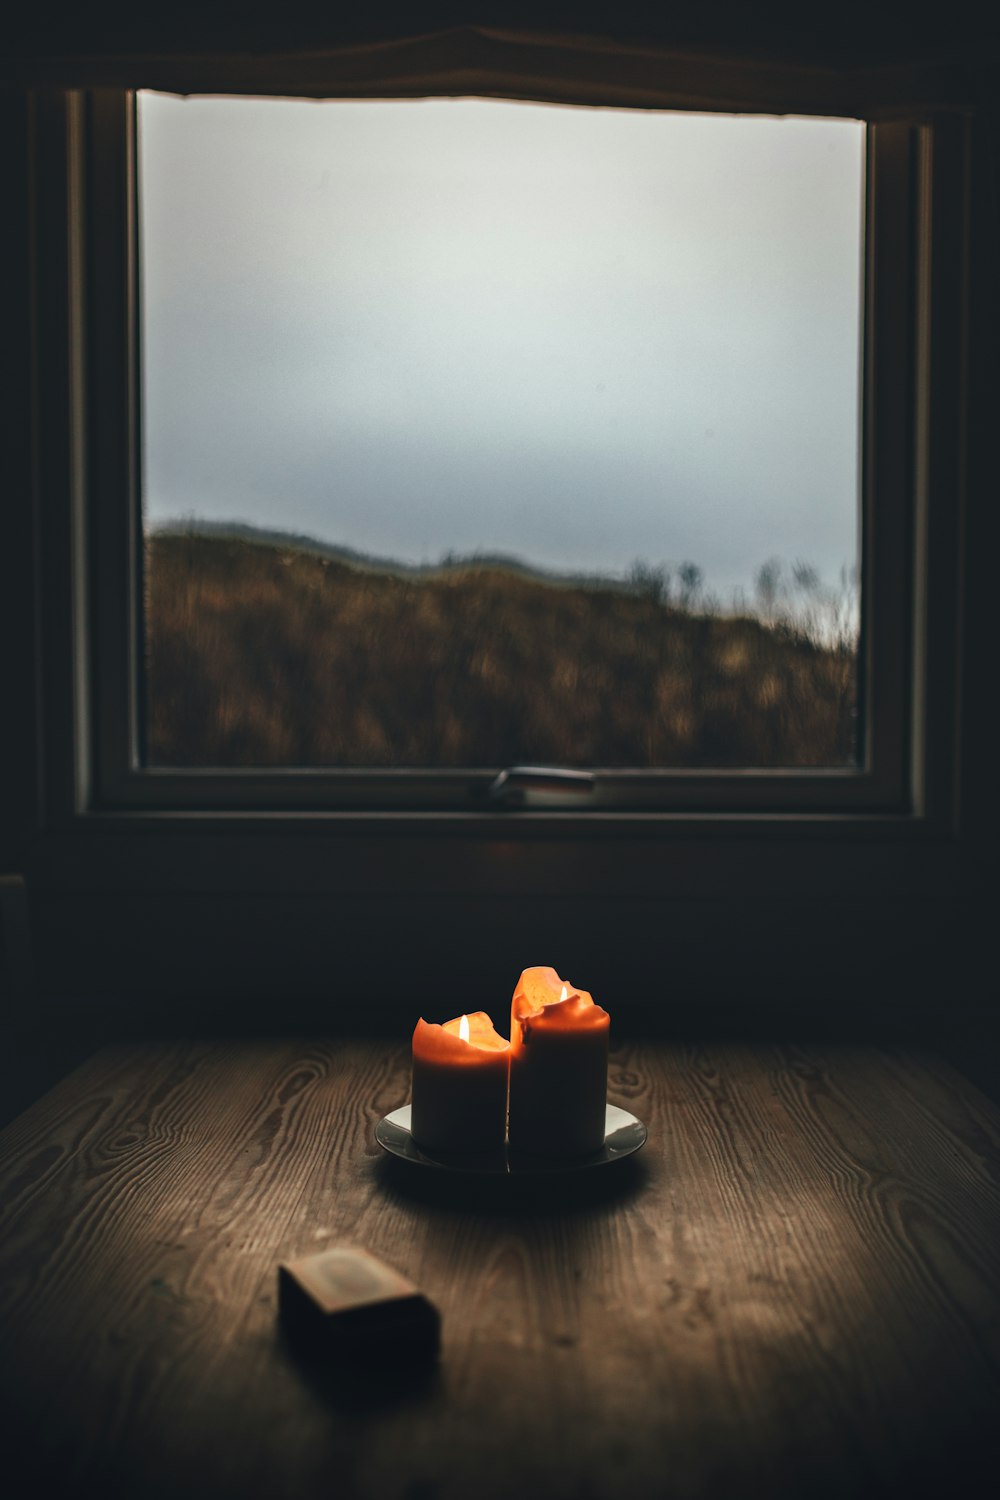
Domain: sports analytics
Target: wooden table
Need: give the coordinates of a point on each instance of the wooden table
(793, 1290)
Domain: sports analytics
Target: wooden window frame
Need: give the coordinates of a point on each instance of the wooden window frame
(911, 266)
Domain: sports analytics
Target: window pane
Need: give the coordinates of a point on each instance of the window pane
(478, 433)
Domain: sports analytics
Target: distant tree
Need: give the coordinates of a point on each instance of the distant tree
(691, 578)
(769, 584)
(649, 581)
(795, 601)
(806, 577)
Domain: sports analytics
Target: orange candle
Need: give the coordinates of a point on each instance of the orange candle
(558, 1067)
(459, 1100)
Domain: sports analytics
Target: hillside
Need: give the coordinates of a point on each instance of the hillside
(263, 654)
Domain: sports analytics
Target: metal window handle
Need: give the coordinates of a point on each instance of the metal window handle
(509, 788)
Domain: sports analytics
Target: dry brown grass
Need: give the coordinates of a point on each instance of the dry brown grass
(262, 655)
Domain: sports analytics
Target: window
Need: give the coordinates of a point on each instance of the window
(440, 400)
(899, 195)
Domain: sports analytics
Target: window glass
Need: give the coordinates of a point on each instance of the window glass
(477, 433)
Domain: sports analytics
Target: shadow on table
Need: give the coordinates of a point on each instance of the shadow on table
(362, 1383)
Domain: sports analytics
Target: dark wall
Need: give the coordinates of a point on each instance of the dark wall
(853, 31)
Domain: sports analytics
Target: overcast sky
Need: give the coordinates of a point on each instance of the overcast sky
(579, 336)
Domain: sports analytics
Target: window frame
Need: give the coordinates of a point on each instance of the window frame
(102, 155)
(914, 339)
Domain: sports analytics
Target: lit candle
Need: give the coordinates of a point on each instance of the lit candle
(558, 1067)
(459, 1100)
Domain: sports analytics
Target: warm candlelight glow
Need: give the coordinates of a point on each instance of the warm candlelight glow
(459, 1099)
(558, 1066)
(543, 1000)
(545, 1090)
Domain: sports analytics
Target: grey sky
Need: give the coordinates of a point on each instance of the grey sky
(580, 336)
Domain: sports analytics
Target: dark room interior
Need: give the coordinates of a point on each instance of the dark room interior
(210, 974)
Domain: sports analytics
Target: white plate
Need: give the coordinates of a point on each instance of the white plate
(623, 1135)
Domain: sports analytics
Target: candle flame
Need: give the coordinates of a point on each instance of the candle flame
(565, 992)
(463, 1029)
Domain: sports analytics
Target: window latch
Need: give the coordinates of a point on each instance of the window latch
(512, 785)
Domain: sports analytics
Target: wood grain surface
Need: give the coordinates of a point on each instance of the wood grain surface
(794, 1290)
